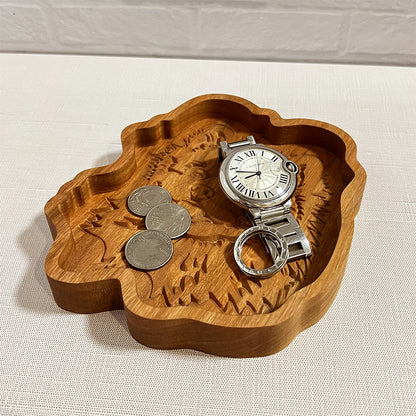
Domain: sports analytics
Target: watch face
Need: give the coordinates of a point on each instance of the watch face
(260, 174)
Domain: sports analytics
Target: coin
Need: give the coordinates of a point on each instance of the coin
(148, 249)
(172, 219)
(143, 199)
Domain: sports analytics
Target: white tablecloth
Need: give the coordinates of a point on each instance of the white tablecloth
(62, 114)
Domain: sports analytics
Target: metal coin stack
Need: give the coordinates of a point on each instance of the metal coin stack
(152, 248)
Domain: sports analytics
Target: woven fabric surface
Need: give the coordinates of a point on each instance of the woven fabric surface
(62, 114)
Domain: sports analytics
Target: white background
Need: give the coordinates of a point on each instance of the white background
(363, 31)
(62, 114)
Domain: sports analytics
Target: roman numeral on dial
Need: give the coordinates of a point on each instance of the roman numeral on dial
(250, 153)
(240, 187)
(284, 178)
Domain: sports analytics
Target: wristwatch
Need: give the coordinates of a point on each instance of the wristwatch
(262, 181)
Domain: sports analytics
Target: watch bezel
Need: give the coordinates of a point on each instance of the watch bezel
(247, 202)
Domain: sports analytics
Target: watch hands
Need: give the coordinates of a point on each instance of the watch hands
(253, 174)
(259, 167)
(259, 172)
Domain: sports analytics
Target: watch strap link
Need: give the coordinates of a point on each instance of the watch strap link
(285, 224)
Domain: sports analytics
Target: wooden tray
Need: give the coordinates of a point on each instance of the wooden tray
(200, 299)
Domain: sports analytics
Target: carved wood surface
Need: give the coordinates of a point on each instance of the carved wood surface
(200, 299)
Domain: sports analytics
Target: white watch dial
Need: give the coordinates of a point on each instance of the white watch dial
(258, 174)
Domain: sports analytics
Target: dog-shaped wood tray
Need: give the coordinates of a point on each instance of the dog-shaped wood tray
(200, 299)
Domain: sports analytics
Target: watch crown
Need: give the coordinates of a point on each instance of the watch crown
(292, 167)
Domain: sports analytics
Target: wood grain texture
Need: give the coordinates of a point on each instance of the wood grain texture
(200, 299)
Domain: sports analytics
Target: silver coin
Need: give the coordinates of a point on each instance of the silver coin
(143, 199)
(172, 219)
(148, 249)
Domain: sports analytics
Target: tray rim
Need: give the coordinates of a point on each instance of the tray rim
(297, 304)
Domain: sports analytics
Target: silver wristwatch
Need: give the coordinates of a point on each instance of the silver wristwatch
(262, 181)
